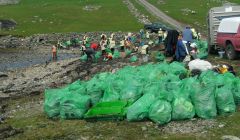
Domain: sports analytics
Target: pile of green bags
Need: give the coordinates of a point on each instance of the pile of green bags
(202, 47)
(159, 92)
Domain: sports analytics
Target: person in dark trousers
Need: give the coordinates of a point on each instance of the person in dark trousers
(180, 53)
(90, 54)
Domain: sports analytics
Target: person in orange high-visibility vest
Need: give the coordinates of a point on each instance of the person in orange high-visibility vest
(54, 52)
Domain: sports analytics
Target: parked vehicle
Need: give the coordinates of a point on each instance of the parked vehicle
(215, 16)
(228, 36)
(154, 27)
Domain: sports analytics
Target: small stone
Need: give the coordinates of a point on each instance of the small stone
(221, 125)
(144, 128)
(229, 137)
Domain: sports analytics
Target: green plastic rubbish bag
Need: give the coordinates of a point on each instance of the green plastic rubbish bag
(94, 90)
(74, 106)
(133, 59)
(160, 112)
(108, 50)
(202, 47)
(225, 101)
(139, 110)
(74, 86)
(77, 87)
(52, 100)
(131, 91)
(160, 57)
(236, 91)
(110, 95)
(204, 102)
(128, 52)
(84, 57)
(182, 108)
(177, 68)
(98, 55)
(116, 54)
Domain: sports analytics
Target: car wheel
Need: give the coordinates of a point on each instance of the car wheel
(230, 52)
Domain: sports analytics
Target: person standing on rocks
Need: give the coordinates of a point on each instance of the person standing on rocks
(54, 52)
(103, 44)
(160, 35)
(112, 43)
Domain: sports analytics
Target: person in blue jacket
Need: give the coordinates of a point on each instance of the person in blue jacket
(188, 35)
(180, 52)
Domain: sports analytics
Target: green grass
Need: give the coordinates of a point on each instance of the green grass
(48, 16)
(36, 125)
(198, 20)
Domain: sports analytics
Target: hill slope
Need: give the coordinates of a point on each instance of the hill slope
(68, 16)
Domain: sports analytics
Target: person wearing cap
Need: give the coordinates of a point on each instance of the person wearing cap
(160, 35)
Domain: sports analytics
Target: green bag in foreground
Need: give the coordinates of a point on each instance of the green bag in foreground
(225, 100)
(160, 112)
(204, 102)
(52, 99)
(139, 110)
(182, 109)
(236, 91)
(74, 106)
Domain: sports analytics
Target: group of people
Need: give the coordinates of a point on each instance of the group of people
(107, 46)
(178, 45)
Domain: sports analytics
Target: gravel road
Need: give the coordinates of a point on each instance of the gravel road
(161, 15)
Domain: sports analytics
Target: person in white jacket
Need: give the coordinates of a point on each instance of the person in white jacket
(112, 43)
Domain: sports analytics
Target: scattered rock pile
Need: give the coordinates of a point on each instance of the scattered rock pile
(91, 7)
(140, 17)
(187, 11)
(34, 80)
(7, 2)
(8, 131)
(161, 2)
(49, 39)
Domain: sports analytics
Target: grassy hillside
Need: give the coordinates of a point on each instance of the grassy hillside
(178, 10)
(47, 16)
